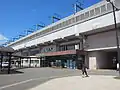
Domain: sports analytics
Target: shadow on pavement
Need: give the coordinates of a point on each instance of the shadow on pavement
(14, 71)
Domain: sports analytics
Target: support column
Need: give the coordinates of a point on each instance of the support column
(77, 63)
(39, 62)
(9, 65)
(30, 63)
(20, 62)
(83, 42)
(1, 60)
(81, 45)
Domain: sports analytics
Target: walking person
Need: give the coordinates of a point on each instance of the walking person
(84, 72)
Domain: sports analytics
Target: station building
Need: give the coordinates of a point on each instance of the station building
(87, 36)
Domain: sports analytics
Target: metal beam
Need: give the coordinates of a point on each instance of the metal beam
(31, 31)
(21, 36)
(54, 18)
(39, 25)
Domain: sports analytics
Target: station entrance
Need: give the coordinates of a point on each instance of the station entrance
(64, 61)
(71, 61)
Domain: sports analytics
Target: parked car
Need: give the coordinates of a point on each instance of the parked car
(4, 64)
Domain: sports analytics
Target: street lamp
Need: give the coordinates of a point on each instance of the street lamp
(117, 31)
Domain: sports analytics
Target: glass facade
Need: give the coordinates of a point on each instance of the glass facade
(64, 61)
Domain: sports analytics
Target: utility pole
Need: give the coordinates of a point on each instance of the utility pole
(117, 31)
(54, 18)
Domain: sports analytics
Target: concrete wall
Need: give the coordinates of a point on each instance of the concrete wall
(98, 60)
(101, 40)
(101, 60)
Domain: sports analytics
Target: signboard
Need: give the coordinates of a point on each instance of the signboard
(51, 48)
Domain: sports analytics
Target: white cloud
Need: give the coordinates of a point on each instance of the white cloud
(3, 39)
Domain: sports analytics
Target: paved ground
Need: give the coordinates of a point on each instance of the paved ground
(78, 83)
(31, 77)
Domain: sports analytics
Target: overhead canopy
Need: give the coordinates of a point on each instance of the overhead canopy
(6, 49)
(59, 53)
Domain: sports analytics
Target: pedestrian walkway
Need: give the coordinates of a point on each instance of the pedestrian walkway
(94, 82)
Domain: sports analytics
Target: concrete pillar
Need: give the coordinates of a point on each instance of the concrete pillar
(65, 47)
(20, 62)
(57, 47)
(29, 62)
(81, 45)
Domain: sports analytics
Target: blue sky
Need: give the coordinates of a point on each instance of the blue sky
(18, 15)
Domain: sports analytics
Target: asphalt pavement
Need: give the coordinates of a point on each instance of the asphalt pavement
(31, 77)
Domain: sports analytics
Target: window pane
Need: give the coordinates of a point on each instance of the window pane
(71, 47)
(103, 8)
(109, 7)
(73, 20)
(32, 61)
(82, 17)
(97, 11)
(26, 61)
(59, 25)
(92, 13)
(37, 61)
(78, 18)
(67, 22)
(86, 15)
